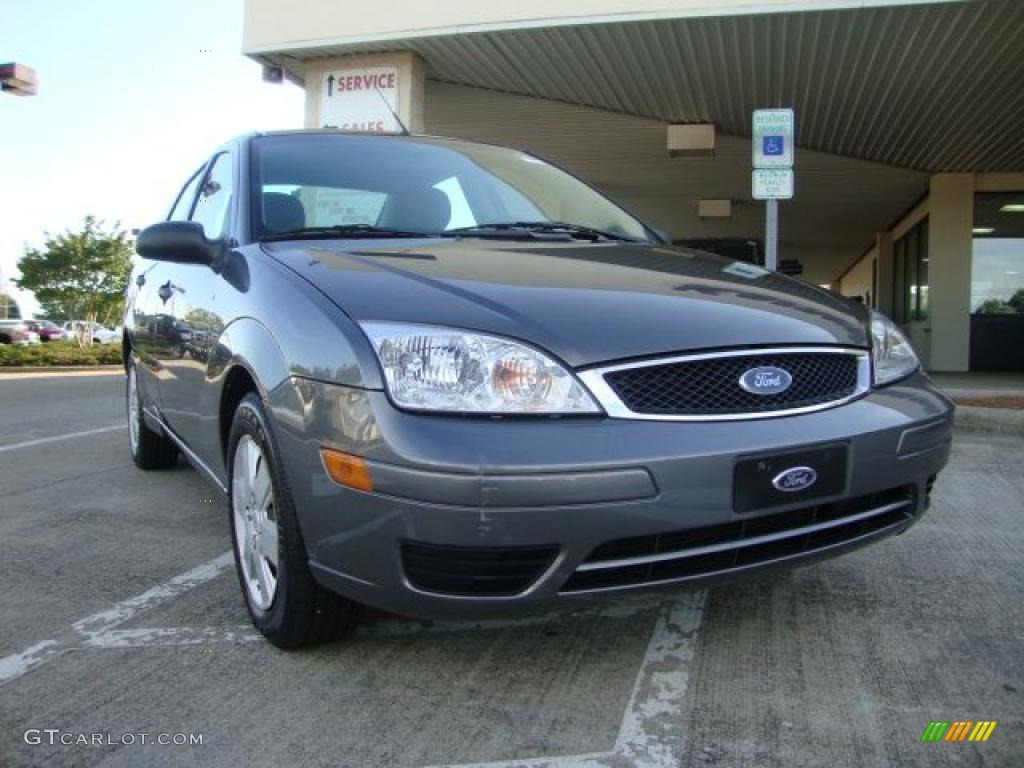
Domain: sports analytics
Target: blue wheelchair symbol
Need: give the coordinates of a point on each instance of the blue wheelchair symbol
(773, 146)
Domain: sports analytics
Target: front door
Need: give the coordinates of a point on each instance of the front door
(188, 324)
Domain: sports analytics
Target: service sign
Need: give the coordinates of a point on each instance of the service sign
(772, 184)
(773, 138)
(357, 99)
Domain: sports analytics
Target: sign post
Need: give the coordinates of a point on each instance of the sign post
(772, 179)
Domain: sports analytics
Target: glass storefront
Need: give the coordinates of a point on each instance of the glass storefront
(997, 282)
(910, 275)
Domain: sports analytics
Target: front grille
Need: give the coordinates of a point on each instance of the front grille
(720, 548)
(710, 386)
(476, 571)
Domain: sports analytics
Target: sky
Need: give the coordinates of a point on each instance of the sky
(133, 95)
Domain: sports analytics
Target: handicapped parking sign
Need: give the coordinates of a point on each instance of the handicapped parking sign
(773, 134)
(773, 146)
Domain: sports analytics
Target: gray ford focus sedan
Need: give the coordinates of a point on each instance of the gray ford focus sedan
(443, 378)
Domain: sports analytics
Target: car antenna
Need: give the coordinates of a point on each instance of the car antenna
(359, 63)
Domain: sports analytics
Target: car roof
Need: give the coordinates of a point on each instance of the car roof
(356, 135)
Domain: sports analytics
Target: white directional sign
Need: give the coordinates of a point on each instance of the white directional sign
(772, 183)
(773, 138)
(359, 99)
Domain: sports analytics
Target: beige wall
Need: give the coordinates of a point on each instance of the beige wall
(852, 281)
(857, 281)
(271, 25)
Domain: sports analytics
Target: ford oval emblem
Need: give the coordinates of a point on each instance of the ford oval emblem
(766, 380)
(795, 479)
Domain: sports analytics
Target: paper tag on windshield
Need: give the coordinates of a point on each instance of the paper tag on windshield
(742, 269)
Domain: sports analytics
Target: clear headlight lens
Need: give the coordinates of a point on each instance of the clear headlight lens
(891, 352)
(429, 368)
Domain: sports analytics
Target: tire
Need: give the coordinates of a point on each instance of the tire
(284, 600)
(148, 449)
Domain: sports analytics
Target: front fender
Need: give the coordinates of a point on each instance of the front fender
(248, 343)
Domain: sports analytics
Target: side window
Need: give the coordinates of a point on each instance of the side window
(214, 197)
(183, 204)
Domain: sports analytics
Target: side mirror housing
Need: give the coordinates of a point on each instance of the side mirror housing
(181, 242)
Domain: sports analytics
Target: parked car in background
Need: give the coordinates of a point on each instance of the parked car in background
(444, 378)
(47, 330)
(100, 333)
(17, 332)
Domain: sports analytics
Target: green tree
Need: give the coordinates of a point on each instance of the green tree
(1017, 300)
(79, 275)
(994, 307)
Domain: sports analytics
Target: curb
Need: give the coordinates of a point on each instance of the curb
(20, 369)
(1001, 421)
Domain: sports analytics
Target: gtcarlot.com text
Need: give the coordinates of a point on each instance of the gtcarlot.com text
(55, 736)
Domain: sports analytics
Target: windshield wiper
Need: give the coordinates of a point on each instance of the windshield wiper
(547, 227)
(343, 230)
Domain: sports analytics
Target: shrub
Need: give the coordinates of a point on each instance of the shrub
(59, 353)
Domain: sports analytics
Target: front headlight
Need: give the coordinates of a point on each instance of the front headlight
(891, 352)
(429, 368)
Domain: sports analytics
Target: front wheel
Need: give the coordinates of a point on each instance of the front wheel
(284, 600)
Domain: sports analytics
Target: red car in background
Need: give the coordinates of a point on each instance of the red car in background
(47, 331)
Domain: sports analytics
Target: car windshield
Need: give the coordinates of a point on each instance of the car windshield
(345, 185)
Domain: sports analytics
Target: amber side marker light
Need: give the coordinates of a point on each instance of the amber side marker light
(346, 469)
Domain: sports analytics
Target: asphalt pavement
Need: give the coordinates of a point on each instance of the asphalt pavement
(121, 622)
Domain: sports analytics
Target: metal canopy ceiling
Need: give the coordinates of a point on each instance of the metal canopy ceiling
(840, 203)
(937, 87)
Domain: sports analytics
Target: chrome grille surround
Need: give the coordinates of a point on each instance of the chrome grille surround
(594, 380)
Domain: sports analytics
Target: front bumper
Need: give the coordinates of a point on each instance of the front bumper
(482, 516)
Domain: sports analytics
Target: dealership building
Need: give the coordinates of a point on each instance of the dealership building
(909, 127)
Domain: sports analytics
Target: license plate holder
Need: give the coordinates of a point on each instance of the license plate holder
(754, 477)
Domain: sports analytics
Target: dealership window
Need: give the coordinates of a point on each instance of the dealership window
(997, 282)
(910, 275)
(997, 264)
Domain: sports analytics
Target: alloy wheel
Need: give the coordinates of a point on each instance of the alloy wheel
(256, 533)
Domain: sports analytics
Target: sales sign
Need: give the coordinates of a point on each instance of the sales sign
(773, 138)
(359, 99)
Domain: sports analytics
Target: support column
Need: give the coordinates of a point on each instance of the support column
(348, 92)
(950, 220)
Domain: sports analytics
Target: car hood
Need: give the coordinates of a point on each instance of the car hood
(586, 303)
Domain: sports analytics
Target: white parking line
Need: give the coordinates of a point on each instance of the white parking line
(652, 733)
(84, 633)
(58, 438)
(120, 613)
(157, 636)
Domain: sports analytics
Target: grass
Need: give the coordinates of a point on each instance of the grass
(58, 353)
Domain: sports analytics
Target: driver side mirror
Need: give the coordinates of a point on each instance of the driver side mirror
(181, 242)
